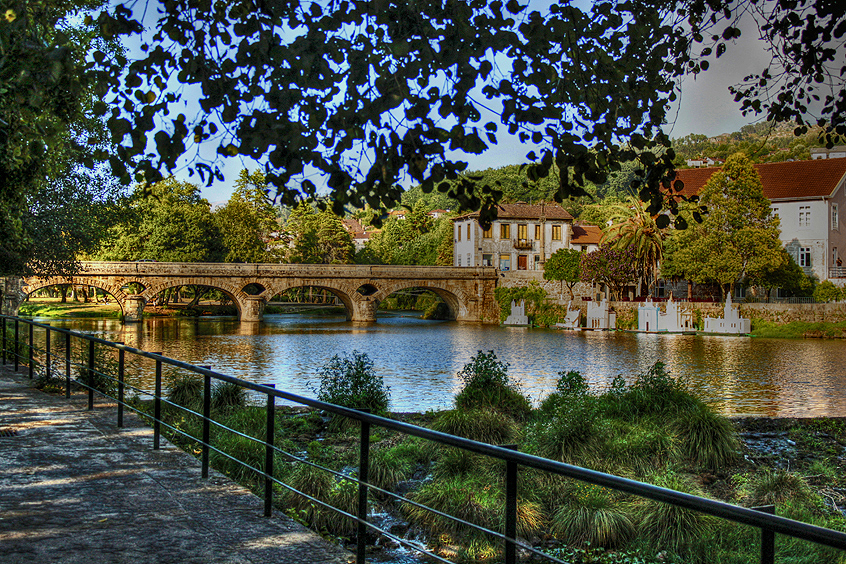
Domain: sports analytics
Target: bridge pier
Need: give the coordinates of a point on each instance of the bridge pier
(363, 310)
(252, 308)
(133, 308)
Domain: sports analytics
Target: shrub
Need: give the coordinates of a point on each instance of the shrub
(482, 425)
(570, 387)
(568, 432)
(487, 386)
(707, 438)
(351, 382)
(186, 390)
(774, 487)
(592, 516)
(670, 527)
(387, 468)
(826, 291)
(653, 392)
(227, 396)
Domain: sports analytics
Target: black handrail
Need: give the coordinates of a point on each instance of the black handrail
(769, 523)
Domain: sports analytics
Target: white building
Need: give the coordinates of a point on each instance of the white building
(600, 316)
(521, 238)
(809, 197)
(650, 318)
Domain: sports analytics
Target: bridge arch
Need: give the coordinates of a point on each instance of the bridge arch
(342, 291)
(453, 297)
(111, 287)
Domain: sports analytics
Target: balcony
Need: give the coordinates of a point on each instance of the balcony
(523, 244)
(837, 272)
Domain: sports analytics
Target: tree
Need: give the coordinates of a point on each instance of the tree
(738, 241)
(632, 226)
(826, 291)
(564, 265)
(319, 237)
(271, 77)
(613, 267)
(51, 207)
(248, 222)
(784, 274)
(167, 222)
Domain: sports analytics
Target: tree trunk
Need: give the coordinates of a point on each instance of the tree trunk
(63, 292)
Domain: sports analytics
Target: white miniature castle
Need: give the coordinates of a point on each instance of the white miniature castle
(730, 323)
(518, 314)
(600, 316)
(650, 318)
(572, 320)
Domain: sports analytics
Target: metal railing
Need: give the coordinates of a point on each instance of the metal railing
(762, 518)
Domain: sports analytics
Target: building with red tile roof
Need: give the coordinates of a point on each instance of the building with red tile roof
(809, 197)
(521, 238)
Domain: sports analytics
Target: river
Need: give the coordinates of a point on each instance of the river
(419, 359)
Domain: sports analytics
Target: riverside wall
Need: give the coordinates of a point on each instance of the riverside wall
(780, 313)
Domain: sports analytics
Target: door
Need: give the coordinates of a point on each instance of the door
(522, 262)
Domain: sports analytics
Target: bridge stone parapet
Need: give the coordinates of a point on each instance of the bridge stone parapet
(469, 292)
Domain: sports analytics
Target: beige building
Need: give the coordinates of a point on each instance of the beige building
(521, 238)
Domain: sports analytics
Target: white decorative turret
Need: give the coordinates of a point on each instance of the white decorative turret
(730, 323)
(599, 316)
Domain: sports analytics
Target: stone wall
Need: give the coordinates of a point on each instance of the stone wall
(627, 311)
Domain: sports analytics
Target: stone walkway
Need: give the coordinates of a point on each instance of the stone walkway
(74, 488)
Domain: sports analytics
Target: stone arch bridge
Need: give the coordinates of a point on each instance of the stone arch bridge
(469, 291)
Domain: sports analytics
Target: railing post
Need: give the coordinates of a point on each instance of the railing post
(268, 453)
(157, 405)
(31, 350)
(4, 341)
(767, 537)
(17, 344)
(47, 352)
(120, 390)
(206, 421)
(510, 508)
(90, 375)
(363, 476)
(67, 364)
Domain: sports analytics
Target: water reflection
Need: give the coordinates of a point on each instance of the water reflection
(419, 359)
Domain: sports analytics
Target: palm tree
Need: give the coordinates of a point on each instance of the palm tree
(631, 225)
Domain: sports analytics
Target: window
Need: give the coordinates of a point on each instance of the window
(804, 216)
(537, 262)
(505, 231)
(459, 234)
(556, 232)
(522, 231)
(488, 233)
(834, 218)
(537, 232)
(469, 260)
(805, 257)
(487, 260)
(775, 212)
(505, 262)
(468, 231)
(459, 260)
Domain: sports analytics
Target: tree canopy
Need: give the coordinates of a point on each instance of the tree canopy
(564, 265)
(367, 94)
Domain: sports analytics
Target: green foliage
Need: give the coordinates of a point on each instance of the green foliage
(248, 222)
(711, 440)
(186, 390)
(168, 221)
(389, 466)
(616, 268)
(319, 237)
(484, 425)
(798, 329)
(591, 515)
(775, 487)
(826, 291)
(564, 265)
(671, 527)
(228, 396)
(738, 238)
(351, 382)
(487, 386)
(533, 294)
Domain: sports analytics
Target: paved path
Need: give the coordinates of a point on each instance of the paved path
(74, 488)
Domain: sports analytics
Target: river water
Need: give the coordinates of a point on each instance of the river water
(419, 359)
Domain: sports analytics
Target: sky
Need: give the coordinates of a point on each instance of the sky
(705, 107)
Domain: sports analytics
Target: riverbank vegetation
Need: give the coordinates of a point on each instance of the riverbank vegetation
(648, 427)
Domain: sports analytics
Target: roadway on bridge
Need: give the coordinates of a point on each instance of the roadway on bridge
(74, 488)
